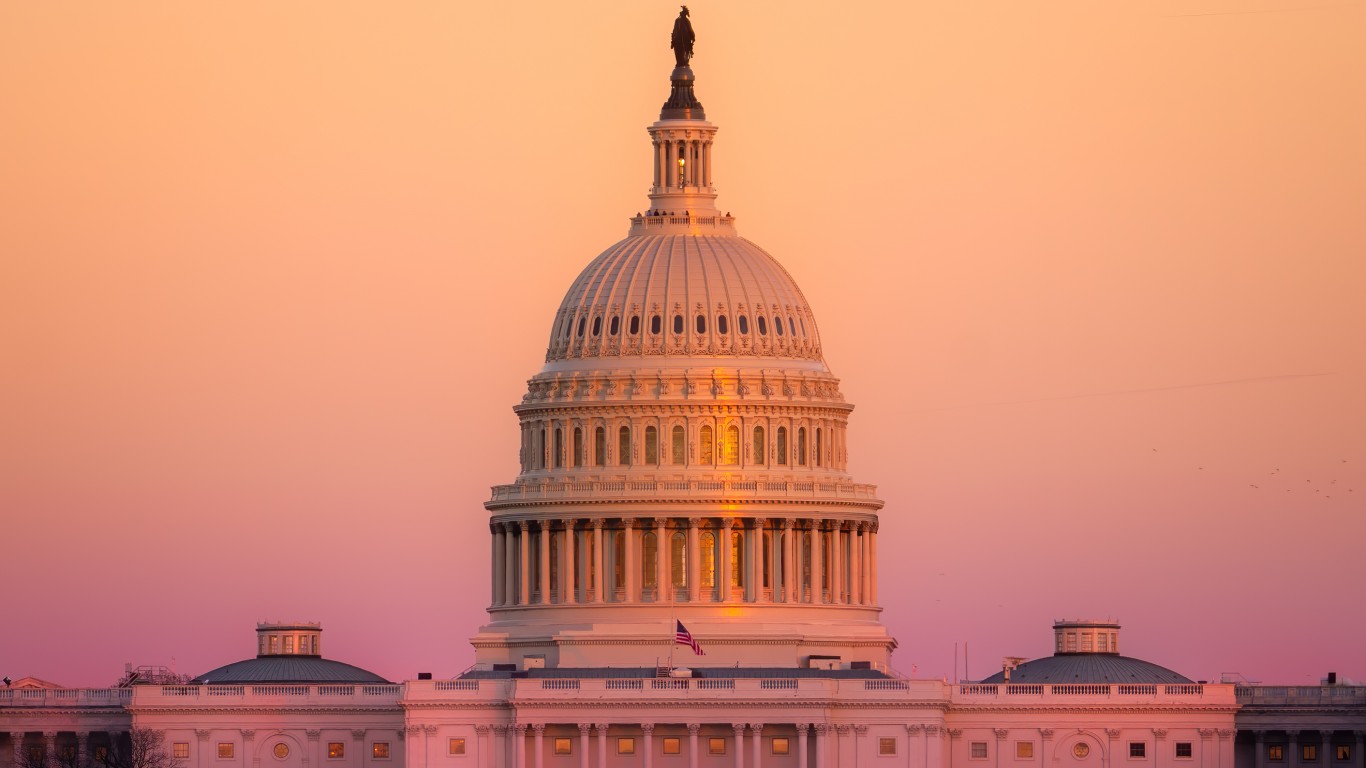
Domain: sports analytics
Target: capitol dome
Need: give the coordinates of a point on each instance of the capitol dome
(1086, 651)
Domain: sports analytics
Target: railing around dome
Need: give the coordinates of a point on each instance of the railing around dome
(973, 691)
(234, 695)
(738, 489)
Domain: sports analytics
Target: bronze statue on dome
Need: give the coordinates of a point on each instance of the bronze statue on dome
(682, 39)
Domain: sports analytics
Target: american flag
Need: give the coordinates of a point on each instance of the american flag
(684, 637)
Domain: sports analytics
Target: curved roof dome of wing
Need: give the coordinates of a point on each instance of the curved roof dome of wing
(288, 669)
(1089, 668)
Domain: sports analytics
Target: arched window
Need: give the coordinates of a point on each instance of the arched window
(678, 451)
(766, 542)
(597, 326)
(791, 326)
(701, 324)
(782, 446)
(730, 446)
(758, 445)
(600, 447)
(763, 325)
(649, 562)
(678, 324)
(618, 564)
(820, 452)
(744, 324)
(678, 560)
(635, 325)
(577, 459)
(583, 321)
(721, 325)
(737, 558)
(705, 454)
(614, 326)
(655, 324)
(558, 448)
(651, 445)
(801, 446)
(778, 325)
(624, 446)
(707, 545)
(802, 321)
(539, 458)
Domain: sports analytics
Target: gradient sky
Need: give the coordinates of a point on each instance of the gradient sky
(274, 274)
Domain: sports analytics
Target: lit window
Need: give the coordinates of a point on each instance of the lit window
(624, 446)
(1183, 749)
(455, 747)
(801, 446)
(978, 750)
(1309, 753)
(886, 746)
(678, 452)
(716, 746)
(600, 447)
(180, 749)
(1138, 749)
(782, 446)
(730, 446)
(101, 754)
(651, 445)
(744, 324)
(281, 750)
(626, 745)
(380, 750)
(1024, 750)
(225, 750)
(289, 643)
(1342, 752)
(274, 644)
(721, 325)
(336, 750)
(779, 746)
(673, 745)
(704, 445)
(1275, 752)
(564, 746)
(758, 445)
(576, 460)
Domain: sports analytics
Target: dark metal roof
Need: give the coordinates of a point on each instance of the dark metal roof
(1089, 668)
(288, 669)
(593, 673)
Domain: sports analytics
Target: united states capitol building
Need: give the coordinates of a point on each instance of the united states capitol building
(684, 476)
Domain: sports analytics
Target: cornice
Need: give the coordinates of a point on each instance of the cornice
(873, 504)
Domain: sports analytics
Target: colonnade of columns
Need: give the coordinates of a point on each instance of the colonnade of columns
(743, 743)
(570, 561)
(694, 171)
(74, 749)
(1292, 743)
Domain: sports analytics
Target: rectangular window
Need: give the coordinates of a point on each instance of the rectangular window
(1024, 750)
(380, 750)
(716, 746)
(1342, 752)
(1309, 753)
(626, 745)
(456, 747)
(779, 745)
(225, 750)
(289, 643)
(1275, 752)
(886, 746)
(1184, 750)
(1138, 749)
(673, 745)
(978, 750)
(336, 750)
(564, 746)
(180, 749)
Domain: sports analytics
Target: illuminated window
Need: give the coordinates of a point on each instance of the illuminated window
(737, 554)
(380, 750)
(1138, 749)
(801, 447)
(274, 644)
(289, 643)
(651, 445)
(678, 324)
(743, 322)
(614, 326)
(1183, 750)
(336, 750)
(730, 446)
(261, 645)
(655, 324)
(1309, 753)
(782, 446)
(1342, 752)
(778, 325)
(707, 543)
(1024, 750)
(649, 560)
(280, 750)
(679, 449)
(225, 750)
(564, 746)
(600, 447)
(180, 749)
(705, 454)
(673, 745)
(978, 750)
(678, 560)
(758, 445)
(763, 325)
(721, 325)
(624, 446)
(779, 745)
(626, 745)
(886, 746)
(101, 754)
(1275, 752)
(576, 460)
(716, 746)
(455, 747)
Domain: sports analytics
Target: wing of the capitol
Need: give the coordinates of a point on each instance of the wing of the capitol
(684, 488)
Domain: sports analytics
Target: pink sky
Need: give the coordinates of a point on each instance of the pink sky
(275, 273)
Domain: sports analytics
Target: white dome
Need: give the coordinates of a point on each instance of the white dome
(684, 295)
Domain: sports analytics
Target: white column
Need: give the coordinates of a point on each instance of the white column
(836, 563)
(647, 730)
(818, 562)
(762, 573)
(706, 174)
(915, 746)
(663, 582)
(789, 572)
(739, 744)
(500, 747)
(539, 730)
(856, 566)
(872, 563)
(602, 745)
(751, 570)
(693, 728)
(496, 566)
(519, 745)
(599, 572)
(822, 730)
(509, 566)
(545, 562)
(694, 560)
(569, 566)
(584, 743)
(723, 578)
(632, 567)
(757, 732)
(525, 541)
(802, 729)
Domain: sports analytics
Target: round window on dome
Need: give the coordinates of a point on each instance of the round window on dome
(597, 326)
(614, 326)
(763, 325)
(743, 323)
(777, 325)
(721, 325)
(678, 324)
(701, 324)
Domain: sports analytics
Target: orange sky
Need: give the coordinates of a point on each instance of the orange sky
(274, 274)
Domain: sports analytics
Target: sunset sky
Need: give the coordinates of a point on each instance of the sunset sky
(274, 272)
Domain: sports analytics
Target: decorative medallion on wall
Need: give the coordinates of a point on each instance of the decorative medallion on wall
(281, 750)
(1081, 749)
